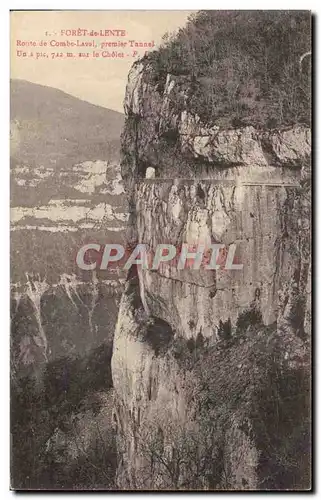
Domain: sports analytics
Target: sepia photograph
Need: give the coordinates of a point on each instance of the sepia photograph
(160, 261)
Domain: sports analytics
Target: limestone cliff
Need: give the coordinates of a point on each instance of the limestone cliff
(210, 368)
(66, 190)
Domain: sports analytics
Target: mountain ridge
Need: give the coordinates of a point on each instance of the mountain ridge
(66, 130)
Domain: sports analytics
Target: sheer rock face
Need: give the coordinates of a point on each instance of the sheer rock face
(245, 187)
(66, 191)
(57, 308)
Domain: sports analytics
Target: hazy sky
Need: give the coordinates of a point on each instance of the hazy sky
(99, 80)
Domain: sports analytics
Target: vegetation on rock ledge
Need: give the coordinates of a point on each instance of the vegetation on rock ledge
(246, 67)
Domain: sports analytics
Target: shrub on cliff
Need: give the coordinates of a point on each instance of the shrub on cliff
(246, 67)
(244, 401)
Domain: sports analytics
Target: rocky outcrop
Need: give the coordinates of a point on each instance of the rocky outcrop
(63, 320)
(57, 308)
(197, 407)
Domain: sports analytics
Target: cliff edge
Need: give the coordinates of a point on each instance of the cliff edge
(211, 368)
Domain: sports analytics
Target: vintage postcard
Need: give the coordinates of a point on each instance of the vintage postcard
(161, 250)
